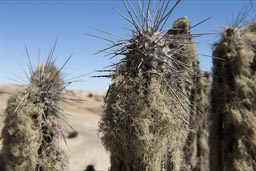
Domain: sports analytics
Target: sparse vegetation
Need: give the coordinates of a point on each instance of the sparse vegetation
(72, 134)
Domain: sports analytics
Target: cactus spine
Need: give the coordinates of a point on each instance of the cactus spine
(32, 125)
(233, 114)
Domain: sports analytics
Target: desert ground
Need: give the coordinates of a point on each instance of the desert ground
(83, 111)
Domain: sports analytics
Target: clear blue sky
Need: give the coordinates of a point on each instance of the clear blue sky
(39, 23)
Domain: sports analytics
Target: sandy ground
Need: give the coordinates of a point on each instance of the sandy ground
(83, 111)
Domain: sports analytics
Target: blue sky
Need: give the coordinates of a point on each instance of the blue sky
(37, 24)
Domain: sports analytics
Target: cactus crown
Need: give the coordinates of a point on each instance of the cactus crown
(151, 50)
(47, 77)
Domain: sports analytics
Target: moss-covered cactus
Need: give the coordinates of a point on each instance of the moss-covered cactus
(147, 111)
(196, 150)
(202, 129)
(188, 65)
(194, 89)
(33, 124)
(233, 115)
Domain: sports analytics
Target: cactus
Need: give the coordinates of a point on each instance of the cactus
(191, 87)
(233, 132)
(33, 124)
(147, 112)
(196, 150)
(194, 90)
(202, 131)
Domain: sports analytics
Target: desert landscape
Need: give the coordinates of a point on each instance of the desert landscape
(162, 110)
(83, 111)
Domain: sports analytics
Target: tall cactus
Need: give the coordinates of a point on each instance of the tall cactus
(33, 124)
(147, 112)
(196, 150)
(233, 114)
(189, 65)
(202, 129)
(194, 90)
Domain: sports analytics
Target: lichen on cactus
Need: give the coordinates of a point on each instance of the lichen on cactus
(20, 134)
(232, 131)
(192, 87)
(147, 113)
(32, 130)
(195, 150)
